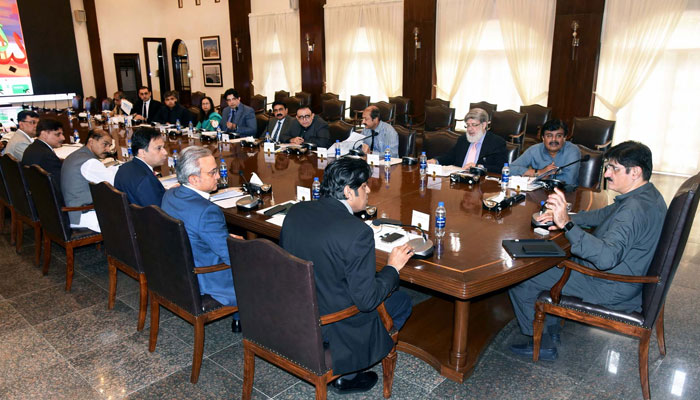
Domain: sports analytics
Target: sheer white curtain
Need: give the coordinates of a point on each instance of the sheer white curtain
(527, 27)
(275, 50)
(384, 29)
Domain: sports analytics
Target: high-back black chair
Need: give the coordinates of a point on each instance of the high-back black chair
(304, 97)
(280, 95)
(656, 283)
(437, 102)
(358, 103)
(23, 211)
(6, 205)
(281, 288)
(293, 104)
(438, 118)
(593, 132)
(262, 119)
(407, 141)
(196, 98)
(166, 256)
(54, 220)
(590, 173)
(537, 115)
(513, 151)
(339, 130)
(112, 208)
(196, 114)
(329, 96)
(509, 125)
(332, 109)
(486, 106)
(403, 109)
(222, 103)
(439, 142)
(387, 111)
(259, 103)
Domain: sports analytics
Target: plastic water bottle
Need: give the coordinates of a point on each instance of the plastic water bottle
(440, 219)
(423, 164)
(177, 125)
(218, 133)
(267, 137)
(174, 158)
(505, 176)
(387, 157)
(223, 171)
(190, 129)
(337, 148)
(316, 189)
(89, 121)
(128, 149)
(76, 137)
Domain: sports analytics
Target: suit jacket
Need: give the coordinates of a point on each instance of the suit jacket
(244, 120)
(286, 126)
(42, 154)
(153, 108)
(140, 185)
(18, 144)
(316, 133)
(206, 228)
(493, 153)
(341, 247)
(167, 115)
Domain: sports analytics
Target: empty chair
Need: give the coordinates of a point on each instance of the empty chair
(107, 104)
(486, 106)
(407, 141)
(293, 104)
(332, 110)
(259, 103)
(509, 125)
(655, 286)
(329, 96)
(222, 103)
(438, 118)
(6, 205)
(262, 119)
(439, 142)
(403, 109)
(537, 115)
(387, 111)
(358, 103)
(197, 97)
(437, 102)
(593, 132)
(54, 220)
(513, 151)
(112, 209)
(23, 211)
(304, 97)
(339, 130)
(280, 95)
(196, 114)
(167, 260)
(590, 173)
(289, 335)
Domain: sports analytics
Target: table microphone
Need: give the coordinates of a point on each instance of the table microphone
(422, 247)
(359, 152)
(249, 202)
(558, 169)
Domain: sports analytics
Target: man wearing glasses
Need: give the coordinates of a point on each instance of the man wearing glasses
(553, 152)
(309, 128)
(623, 242)
(24, 136)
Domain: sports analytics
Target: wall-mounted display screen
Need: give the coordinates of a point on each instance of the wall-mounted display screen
(14, 68)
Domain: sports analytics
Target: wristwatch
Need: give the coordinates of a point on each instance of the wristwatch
(569, 226)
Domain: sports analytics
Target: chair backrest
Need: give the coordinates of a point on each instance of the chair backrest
(332, 109)
(166, 257)
(48, 202)
(258, 103)
(280, 95)
(486, 106)
(293, 104)
(262, 119)
(403, 109)
(304, 97)
(277, 302)
(439, 142)
(4, 193)
(197, 98)
(107, 104)
(329, 96)
(17, 187)
(407, 141)
(387, 111)
(537, 115)
(112, 209)
(592, 132)
(513, 151)
(590, 173)
(196, 114)
(222, 103)
(674, 236)
(439, 117)
(359, 102)
(437, 102)
(339, 130)
(507, 123)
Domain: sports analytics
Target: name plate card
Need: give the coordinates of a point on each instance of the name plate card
(373, 158)
(269, 147)
(421, 220)
(303, 193)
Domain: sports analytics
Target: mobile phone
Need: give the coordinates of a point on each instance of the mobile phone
(391, 237)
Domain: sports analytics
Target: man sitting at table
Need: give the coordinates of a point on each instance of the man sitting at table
(136, 178)
(145, 108)
(341, 247)
(81, 167)
(476, 146)
(41, 151)
(117, 110)
(23, 137)
(282, 122)
(173, 111)
(553, 152)
(198, 174)
(623, 242)
(237, 117)
(386, 135)
(309, 128)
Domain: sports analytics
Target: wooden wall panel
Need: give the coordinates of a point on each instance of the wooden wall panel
(419, 71)
(313, 70)
(242, 67)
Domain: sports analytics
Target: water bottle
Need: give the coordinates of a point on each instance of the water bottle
(218, 134)
(76, 137)
(267, 137)
(223, 171)
(177, 125)
(315, 189)
(128, 149)
(190, 129)
(440, 217)
(89, 121)
(337, 148)
(505, 176)
(423, 164)
(174, 159)
(387, 157)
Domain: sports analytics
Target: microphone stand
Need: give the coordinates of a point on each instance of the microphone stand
(359, 152)
(422, 247)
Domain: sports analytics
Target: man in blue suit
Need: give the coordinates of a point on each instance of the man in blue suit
(238, 117)
(198, 174)
(136, 178)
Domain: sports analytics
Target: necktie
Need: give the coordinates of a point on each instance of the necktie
(233, 114)
(371, 145)
(276, 133)
(471, 155)
(145, 111)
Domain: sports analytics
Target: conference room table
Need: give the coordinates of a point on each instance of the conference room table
(469, 273)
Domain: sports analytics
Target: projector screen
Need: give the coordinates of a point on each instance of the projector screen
(14, 68)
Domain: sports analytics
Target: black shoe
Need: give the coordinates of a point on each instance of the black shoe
(236, 326)
(546, 354)
(362, 382)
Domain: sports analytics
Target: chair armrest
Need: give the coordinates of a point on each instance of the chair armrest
(603, 146)
(385, 317)
(517, 138)
(81, 208)
(339, 315)
(211, 268)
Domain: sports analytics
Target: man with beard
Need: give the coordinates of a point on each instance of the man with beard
(553, 152)
(477, 146)
(282, 122)
(310, 128)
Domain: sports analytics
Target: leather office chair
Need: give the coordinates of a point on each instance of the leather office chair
(262, 119)
(293, 104)
(329, 96)
(54, 220)
(509, 125)
(259, 103)
(656, 283)
(590, 173)
(112, 208)
(439, 142)
(593, 132)
(166, 256)
(23, 211)
(358, 103)
(537, 115)
(196, 114)
(486, 106)
(387, 111)
(280, 95)
(438, 118)
(407, 141)
(339, 130)
(403, 109)
(107, 104)
(437, 102)
(222, 103)
(285, 328)
(197, 97)
(304, 97)
(6, 205)
(332, 110)
(513, 151)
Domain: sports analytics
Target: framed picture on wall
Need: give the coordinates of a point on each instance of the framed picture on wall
(211, 49)
(212, 74)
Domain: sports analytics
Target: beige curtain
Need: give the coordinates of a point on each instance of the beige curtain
(341, 27)
(527, 27)
(460, 24)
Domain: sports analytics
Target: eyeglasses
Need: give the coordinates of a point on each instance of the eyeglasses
(473, 125)
(213, 172)
(303, 116)
(614, 168)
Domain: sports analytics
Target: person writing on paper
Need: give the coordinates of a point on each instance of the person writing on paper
(385, 136)
(280, 125)
(198, 175)
(553, 152)
(211, 119)
(238, 117)
(145, 109)
(309, 128)
(623, 242)
(341, 247)
(477, 146)
(117, 110)
(137, 178)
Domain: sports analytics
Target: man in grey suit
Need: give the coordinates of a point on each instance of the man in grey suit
(237, 117)
(24, 135)
(281, 124)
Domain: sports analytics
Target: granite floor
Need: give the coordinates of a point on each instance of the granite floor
(58, 345)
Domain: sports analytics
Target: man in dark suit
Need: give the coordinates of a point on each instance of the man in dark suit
(145, 109)
(41, 151)
(309, 128)
(237, 117)
(341, 247)
(477, 146)
(281, 124)
(173, 112)
(136, 178)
